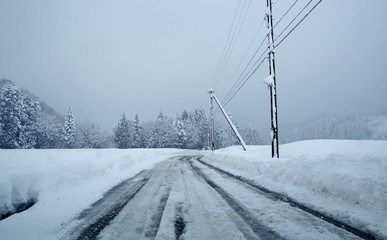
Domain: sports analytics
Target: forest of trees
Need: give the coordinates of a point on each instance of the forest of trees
(27, 122)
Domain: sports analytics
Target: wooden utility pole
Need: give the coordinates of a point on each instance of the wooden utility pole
(271, 81)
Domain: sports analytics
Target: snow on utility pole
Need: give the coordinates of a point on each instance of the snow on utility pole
(212, 121)
(232, 125)
(271, 82)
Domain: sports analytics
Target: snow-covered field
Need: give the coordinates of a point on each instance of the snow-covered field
(64, 183)
(344, 178)
(347, 179)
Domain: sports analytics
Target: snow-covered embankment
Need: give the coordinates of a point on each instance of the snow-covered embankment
(346, 179)
(63, 182)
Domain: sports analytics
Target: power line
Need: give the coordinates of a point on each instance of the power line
(311, 10)
(290, 8)
(293, 19)
(238, 81)
(226, 44)
(234, 39)
(244, 82)
(248, 64)
(244, 56)
(230, 44)
(237, 117)
(256, 68)
(240, 78)
(276, 2)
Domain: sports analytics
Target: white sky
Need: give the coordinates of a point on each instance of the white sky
(107, 57)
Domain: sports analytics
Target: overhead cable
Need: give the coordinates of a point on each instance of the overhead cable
(226, 44)
(233, 41)
(279, 43)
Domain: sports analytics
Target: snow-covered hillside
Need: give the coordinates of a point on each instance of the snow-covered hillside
(345, 178)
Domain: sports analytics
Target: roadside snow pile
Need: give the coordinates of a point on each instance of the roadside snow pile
(63, 182)
(346, 179)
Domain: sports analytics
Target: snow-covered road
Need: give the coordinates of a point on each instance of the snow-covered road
(181, 198)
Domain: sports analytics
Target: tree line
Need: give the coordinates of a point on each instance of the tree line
(26, 122)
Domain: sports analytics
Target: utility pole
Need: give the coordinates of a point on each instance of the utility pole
(271, 81)
(212, 122)
(232, 125)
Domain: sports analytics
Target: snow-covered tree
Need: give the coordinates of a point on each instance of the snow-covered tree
(220, 137)
(49, 132)
(163, 136)
(31, 112)
(201, 123)
(69, 129)
(18, 117)
(122, 134)
(11, 110)
(233, 139)
(184, 116)
(148, 131)
(181, 135)
(90, 136)
(251, 136)
(138, 135)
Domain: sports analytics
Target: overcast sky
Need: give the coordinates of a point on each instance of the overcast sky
(107, 57)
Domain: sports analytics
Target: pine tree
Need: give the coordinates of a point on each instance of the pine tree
(18, 118)
(203, 131)
(11, 115)
(138, 136)
(31, 112)
(251, 136)
(161, 116)
(90, 136)
(181, 135)
(122, 134)
(184, 116)
(49, 132)
(69, 129)
(219, 137)
(148, 131)
(162, 136)
(233, 138)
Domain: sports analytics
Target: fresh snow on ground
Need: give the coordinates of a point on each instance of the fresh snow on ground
(344, 178)
(64, 182)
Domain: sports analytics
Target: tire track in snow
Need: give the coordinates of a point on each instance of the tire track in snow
(258, 228)
(179, 221)
(92, 230)
(156, 218)
(282, 197)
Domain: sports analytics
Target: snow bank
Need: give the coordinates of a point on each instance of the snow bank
(346, 179)
(63, 182)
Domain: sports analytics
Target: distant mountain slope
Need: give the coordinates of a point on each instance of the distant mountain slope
(357, 127)
(43, 105)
